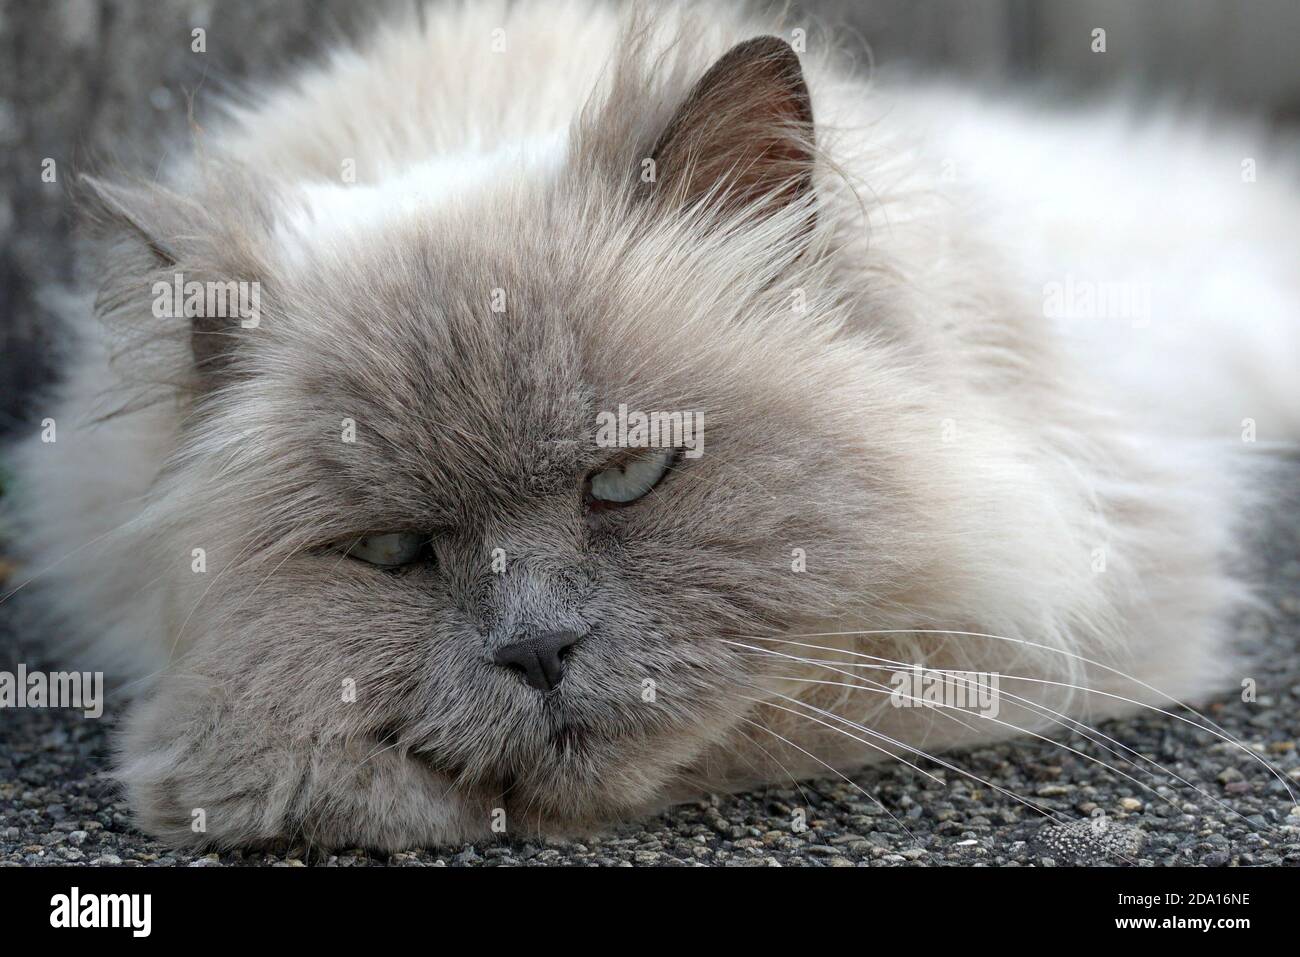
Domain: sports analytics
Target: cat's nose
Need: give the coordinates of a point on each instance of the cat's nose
(539, 658)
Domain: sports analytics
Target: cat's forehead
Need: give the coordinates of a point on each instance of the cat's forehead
(321, 212)
(465, 313)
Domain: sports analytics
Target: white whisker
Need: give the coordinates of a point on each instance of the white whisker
(1209, 727)
(853, 784)
(941, 762)
(1054, 716)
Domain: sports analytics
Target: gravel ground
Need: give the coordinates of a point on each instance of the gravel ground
(80, 78)
(57, 807)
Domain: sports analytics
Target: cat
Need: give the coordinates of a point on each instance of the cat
(327, 498)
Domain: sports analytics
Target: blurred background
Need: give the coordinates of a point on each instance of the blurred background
(84, 81)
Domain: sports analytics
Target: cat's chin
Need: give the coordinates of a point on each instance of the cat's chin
(576, 782)
(588, 782)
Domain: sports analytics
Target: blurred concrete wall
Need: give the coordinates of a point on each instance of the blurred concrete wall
(1238, 53)
(85, 81)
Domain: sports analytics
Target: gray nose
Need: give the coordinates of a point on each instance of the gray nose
(540, 658)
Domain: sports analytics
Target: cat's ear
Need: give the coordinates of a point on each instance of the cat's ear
(135, 214)
(157, 238)
(743, 137)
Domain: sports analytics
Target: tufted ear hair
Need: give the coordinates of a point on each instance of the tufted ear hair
(743, 136)
(158, 238)
(138, 214)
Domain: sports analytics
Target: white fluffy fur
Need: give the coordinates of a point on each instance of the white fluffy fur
(1031, 442)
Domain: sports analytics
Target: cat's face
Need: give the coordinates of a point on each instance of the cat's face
(438, 373)
(386, 397)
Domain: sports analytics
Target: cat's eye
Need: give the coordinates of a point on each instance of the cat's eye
(629, 480)
(390, 550)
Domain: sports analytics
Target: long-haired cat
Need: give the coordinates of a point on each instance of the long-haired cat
(329, 491)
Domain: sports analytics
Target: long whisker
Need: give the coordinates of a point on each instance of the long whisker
(853, 784)
(899, 744)
(947, 764)
(1210, 727)
(875, 734)
(80, 548)
(1055, 717)
(199, 601)
(798, 785)
(944, 710)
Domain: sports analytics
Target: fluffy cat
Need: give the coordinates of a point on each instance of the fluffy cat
(370, 579)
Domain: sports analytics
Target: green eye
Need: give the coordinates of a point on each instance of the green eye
(628, 481)
(390, 550)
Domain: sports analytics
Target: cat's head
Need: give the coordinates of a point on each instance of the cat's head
(423, 517)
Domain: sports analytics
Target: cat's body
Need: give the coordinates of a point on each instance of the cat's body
(906, 441)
